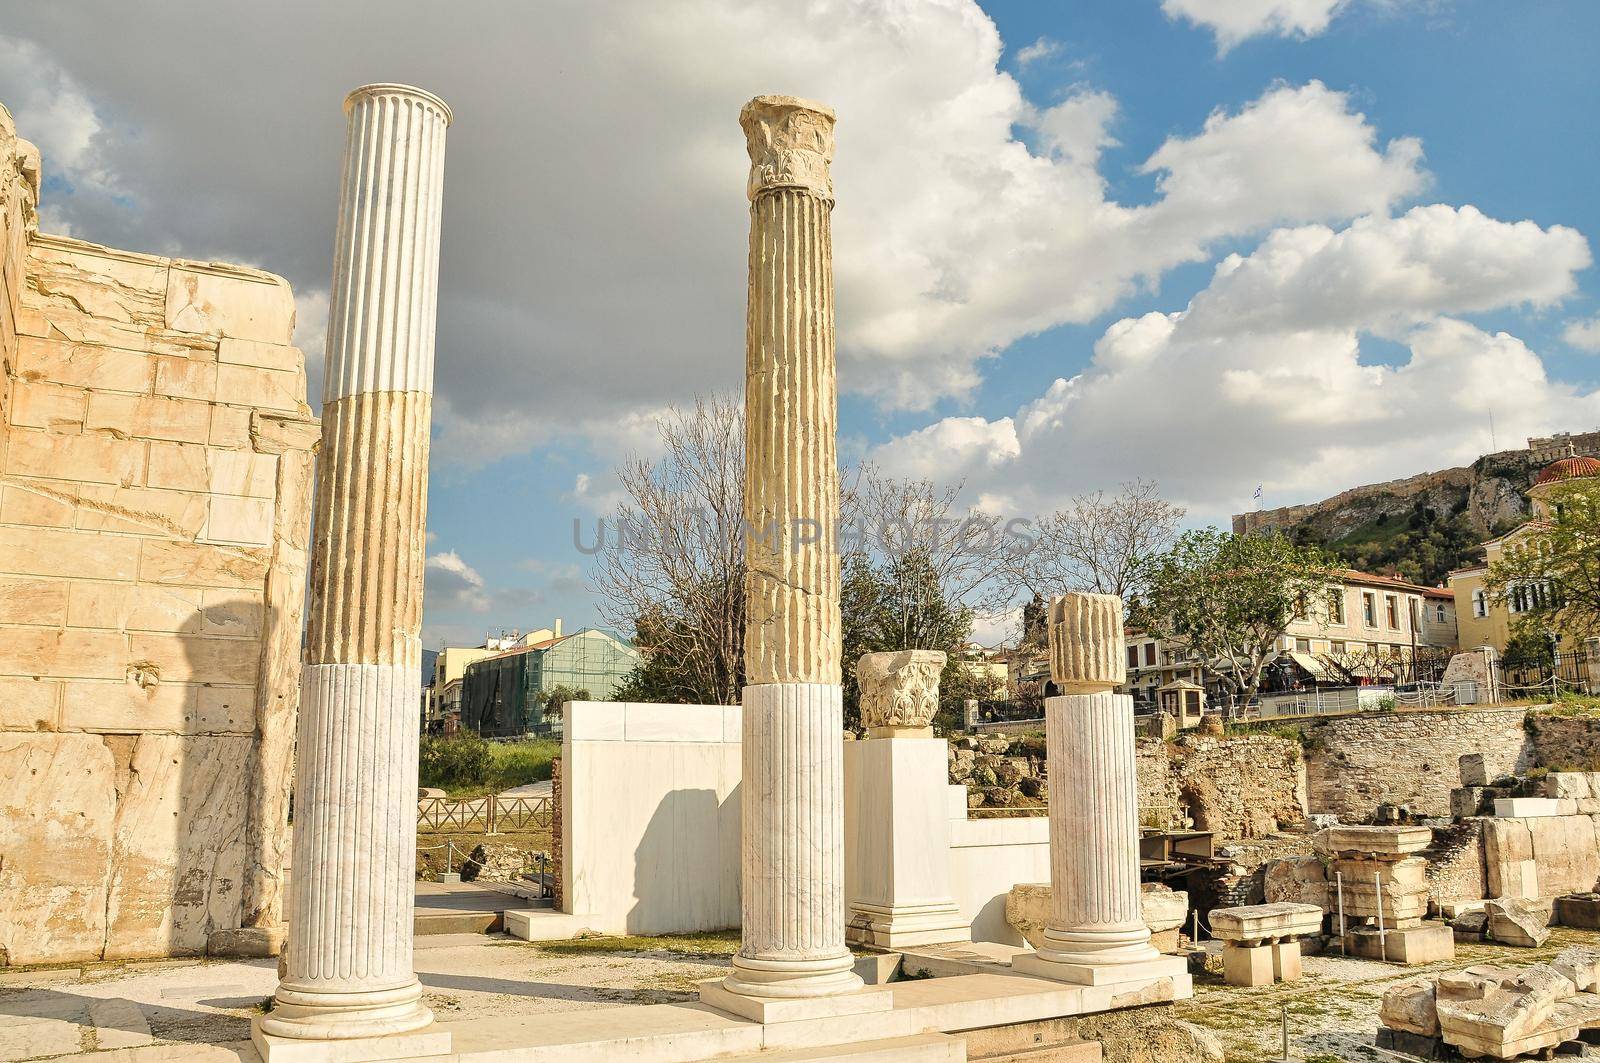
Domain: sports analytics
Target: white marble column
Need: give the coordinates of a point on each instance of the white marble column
(348, 965)
(1096, 934)
(792, 852)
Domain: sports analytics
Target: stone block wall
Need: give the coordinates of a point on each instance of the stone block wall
(155, 466)
(1242, 787)
(1356, 763)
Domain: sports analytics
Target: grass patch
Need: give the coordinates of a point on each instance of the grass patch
(468, 766)
(721, 943)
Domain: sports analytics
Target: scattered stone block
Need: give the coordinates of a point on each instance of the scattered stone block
(1412, 1044)
(1259, 943)
(1410, 1006)
(1524, 923)
(1285, 961)
(1297, 879)
(1580, 910)
(1470, 926)
(1474, 770)
(1408, 946)
(1533, 807)
(1247, 966)
(1394, 841)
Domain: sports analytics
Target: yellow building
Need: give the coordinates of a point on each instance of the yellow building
(1487, 619)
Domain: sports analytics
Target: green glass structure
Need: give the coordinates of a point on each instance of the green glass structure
(502, 696)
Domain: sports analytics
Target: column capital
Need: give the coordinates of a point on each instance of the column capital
(790, 142)
(409, 92)
(1086, 643)
(899, 690)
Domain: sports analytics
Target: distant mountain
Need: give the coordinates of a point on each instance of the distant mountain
(1425, 525)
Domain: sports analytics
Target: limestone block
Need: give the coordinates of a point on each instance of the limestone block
(1265, 921)
(100, 459)
(195, 659)
(1162, 907)
(140, 511)
(1581, 910)
(1410, 1006)
(1246, 965)
(229, 301)
(899, 690)
(126, 707)
(177, 860)
(59, 795)
(1028, 910)
(282, 357)
(1086, 641)
(1470, 926)
(29, 704)
(1392, 841)
(149, 417)
(64, 653)
(1508, 858)
(201, 564)
(81, 365)
(1474, 770)
(32, 601)
(1503, 1018)
(243, 521)
(267, 389)
(186, 467)
(99, 282)
(1298, 879)
(1580, 965)
(1569, 784)
(230, 427)
(1285, 960)
(190, 375)
(1524, 923)
(38, 503)
(43, 405)
(1471, 801)
(1532, 807)
(1423, 943)
(1407, 875)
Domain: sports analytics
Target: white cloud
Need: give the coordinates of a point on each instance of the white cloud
(1584, 334)
(1235, 21)
(310, 335)
(1261, 379)
(450, 584)
(1043, 48)
(594, 246)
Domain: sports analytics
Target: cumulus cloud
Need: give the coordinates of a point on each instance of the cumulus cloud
(1262, 379)
(594, 233)
(1584, 334)
(1235, 21)
(451, 584)
(1043, 48)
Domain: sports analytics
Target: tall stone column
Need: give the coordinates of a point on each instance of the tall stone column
(792, 847)
(1096, 934)
(348, 966)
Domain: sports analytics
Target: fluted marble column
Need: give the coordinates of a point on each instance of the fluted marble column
(792, 851)
(348, 966)
(1096, 934)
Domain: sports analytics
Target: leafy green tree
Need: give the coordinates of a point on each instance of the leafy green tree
(1551, 575)
(1230, 598)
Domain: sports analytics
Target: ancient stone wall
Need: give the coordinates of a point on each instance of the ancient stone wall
(1242, 787)
(155, 464)
(1356, 763)
(1564, 743)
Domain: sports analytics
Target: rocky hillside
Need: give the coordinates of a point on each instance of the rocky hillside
(1422, 526)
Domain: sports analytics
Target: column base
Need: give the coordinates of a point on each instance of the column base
(422, 1044)
(860, 1001)
(905, 926)
(1038, 965)
(321, 1015)
(793, 979)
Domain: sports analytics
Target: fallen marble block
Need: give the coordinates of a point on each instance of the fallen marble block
(1580, 910)
(1410, 1006)
(1391, 841)
(1524, 923)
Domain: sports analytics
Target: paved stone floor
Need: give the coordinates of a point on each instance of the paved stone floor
(199, 1011)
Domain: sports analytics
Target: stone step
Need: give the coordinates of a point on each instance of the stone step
(919, 1048)
(1063, 1052)
(426, 923)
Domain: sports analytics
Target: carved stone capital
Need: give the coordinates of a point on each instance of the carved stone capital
(1086, 643)
(790, 141)
(899, 689)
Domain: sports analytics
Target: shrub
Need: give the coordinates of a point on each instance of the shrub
(457, 762)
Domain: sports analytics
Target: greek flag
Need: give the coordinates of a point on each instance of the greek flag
(1258, 492)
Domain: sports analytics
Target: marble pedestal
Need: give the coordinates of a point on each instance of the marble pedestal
(897, 844)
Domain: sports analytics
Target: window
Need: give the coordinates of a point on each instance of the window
(1480, 603)
(1369, 609)
(1392, 608)
(1338, 647)
(1300, 607)
(1149, 653)
(1336, 607)
(1133, 656)
(1439, 612)
(1302, 645)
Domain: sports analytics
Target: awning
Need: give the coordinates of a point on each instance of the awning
(1316, 668)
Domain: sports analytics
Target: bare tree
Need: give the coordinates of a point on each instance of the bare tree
(1098, 542)
(672, 569)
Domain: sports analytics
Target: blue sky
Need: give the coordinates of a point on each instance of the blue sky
(1014, 179)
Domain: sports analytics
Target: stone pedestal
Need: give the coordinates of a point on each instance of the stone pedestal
(897, 844)
(1261, 942)
(1423, 943)
(348, 965)
(1096, 934)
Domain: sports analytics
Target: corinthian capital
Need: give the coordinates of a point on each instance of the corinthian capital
(790, 141)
